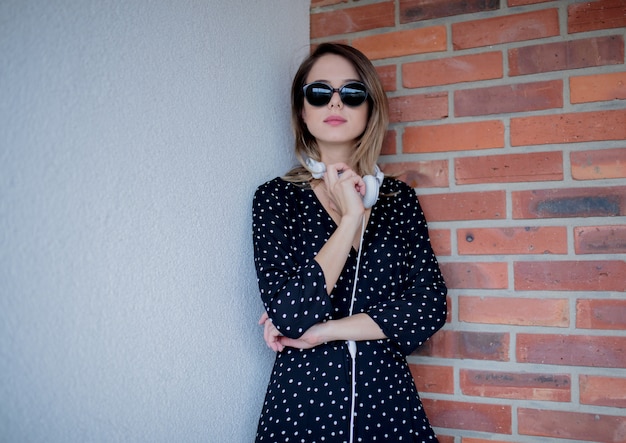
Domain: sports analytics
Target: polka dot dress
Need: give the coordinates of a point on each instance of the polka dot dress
(400, 287)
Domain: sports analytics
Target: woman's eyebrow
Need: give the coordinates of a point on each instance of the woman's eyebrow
(343, 82)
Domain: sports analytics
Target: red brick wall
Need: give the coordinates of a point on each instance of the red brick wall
(509, 119)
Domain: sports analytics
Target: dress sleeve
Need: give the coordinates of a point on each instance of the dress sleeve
(412, 316)
(292, 285)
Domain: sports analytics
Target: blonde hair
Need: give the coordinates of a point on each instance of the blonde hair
(369, 144)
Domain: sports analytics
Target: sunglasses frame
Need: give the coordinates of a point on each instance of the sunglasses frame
(340, 91)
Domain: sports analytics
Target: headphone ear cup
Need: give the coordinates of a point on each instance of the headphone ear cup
(317, 169)
(371, 191)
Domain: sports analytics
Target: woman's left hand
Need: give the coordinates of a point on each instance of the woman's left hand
(271, 335)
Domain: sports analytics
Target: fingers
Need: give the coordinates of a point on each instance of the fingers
(271, 335)
(277, 342)
(310, 339)
(263, 318)
(340, 172)
(337, 169)
(343, 185)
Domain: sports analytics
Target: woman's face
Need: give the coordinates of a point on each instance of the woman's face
(334, 125)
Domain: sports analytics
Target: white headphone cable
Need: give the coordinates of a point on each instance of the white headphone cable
(352, 343)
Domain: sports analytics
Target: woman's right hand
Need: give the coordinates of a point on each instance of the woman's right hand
(345, 189)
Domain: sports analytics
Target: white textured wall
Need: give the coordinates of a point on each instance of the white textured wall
(133, 134)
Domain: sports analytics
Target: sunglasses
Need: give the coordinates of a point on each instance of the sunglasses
(351, 94)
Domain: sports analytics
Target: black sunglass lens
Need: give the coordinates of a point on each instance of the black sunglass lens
(353, 94)
(318, 94)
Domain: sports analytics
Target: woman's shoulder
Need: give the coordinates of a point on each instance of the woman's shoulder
(277, 189)
(400, 195)
(401, 199)
(275, 183)
(394, 186)
(279, 184)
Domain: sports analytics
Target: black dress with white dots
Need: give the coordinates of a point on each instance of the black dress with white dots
(400, 287)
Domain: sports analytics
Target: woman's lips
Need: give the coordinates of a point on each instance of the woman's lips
(334, 120)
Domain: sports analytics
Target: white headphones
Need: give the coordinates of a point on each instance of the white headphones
(372, 182)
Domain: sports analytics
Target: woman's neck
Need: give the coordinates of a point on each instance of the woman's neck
(337, 154)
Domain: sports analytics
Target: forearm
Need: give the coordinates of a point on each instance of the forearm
(333, 255)
(356, 327)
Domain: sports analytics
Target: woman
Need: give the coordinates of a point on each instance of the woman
(338, 279)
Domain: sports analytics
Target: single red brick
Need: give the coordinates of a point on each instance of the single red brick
(599, 14)
(514, 385)
(572, 350)
(423, 174)
(601, 314)
(607, 275)
(405, 42)
(514, 240)
(469, 416)
(440, 241)
(445, 438)
(569, 202)
(489, 205)
(600, 239)
(474, 345)
(598, 164)
(598, 87)
(509, 98)
(514, 311)
(454, 137)
(410, 108)
(563, 425)
(506, 29)
(417, 10)
(460, 275)
(603, 391)
(387, 76)
(347, 20)
(536, 166)
(568, 128)
(565, 55)
(431, 378)
(464, 68)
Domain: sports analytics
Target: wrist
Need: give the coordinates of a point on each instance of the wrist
(327, 331)
(352, 219)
